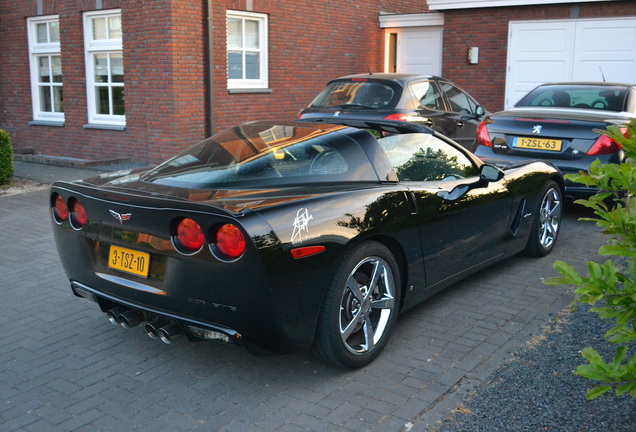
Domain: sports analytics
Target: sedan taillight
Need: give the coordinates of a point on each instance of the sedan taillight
(605, 145)
(483, 138)
(397, 116)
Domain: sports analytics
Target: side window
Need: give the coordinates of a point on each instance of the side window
(428, 96)
(46, 69)
(459, 101)
(423, 157)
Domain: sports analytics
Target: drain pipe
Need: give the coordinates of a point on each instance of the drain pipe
(210, 53)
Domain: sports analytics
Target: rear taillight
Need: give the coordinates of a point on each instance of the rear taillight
(78, 214)
(397, 116)
(60, 210)
(229, 242)
(483, 138)
(189, 236)
(605, 145)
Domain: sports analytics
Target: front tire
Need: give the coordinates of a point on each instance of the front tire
(546, 223)
(360, 307)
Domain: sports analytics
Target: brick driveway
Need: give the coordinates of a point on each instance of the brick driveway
(66, 368)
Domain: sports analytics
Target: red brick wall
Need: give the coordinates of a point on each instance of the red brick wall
(166, 69)
(488, 30)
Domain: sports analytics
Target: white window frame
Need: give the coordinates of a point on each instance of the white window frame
(93, 47)
(263, 81)
(38, 50)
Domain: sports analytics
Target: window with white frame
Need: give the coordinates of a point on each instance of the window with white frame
(46, 69)
(246, 50)
(104, 68)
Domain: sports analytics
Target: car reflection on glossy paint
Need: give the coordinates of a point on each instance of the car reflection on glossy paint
(297, 236)
(561, 123)
(430, 100)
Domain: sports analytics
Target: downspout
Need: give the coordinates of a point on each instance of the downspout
(210, 125)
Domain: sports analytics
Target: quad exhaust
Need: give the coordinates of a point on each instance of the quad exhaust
(165, 329)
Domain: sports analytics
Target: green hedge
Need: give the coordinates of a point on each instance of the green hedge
(6, 158)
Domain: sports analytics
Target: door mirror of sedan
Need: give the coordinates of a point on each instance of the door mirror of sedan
(480, 111)
(490, 173)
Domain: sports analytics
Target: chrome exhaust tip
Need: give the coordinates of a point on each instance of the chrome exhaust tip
(169, 332)
(114, 314)
(152, 328)
(130, 319)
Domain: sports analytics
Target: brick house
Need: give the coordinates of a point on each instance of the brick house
(191, 68)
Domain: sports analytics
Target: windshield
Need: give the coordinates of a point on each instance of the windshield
(266, 155)
(605, 98)
(359, 93)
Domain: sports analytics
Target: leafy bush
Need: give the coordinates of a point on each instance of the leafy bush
(6, 158)
(610, 288)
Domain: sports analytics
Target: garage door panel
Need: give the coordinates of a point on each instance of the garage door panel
(616, 71)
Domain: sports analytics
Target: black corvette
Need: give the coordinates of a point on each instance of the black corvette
(284, 237)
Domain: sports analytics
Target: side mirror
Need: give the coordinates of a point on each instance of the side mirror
(480, 111)
(490, 173)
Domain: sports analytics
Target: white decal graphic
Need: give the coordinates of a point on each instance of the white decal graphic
(336, 114)
(301, 223)
(536, 129)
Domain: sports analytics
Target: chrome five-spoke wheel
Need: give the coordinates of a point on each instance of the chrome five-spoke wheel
(546, 222)
(360, 307)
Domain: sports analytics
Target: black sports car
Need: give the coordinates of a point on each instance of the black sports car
(560, 123)
(283, 237)
(430, 100)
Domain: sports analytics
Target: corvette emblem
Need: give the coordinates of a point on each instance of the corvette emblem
(336, 114)
(121, 217)
(536, 129)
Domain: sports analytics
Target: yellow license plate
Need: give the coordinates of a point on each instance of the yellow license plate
(537, 143)
(129, 261)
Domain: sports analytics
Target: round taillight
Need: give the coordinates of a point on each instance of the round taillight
(60, 210)
(189, 236)
(78, 214)
(230, 242)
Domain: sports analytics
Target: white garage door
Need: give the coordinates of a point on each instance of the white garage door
(569, 50)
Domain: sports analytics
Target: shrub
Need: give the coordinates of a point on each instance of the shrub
(6, 158)
(610, 288)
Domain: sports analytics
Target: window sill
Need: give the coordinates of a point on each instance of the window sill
(105, 127)
(249, 90)
(46, 123)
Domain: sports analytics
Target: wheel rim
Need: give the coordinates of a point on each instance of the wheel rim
(549, 218)
(368, 301)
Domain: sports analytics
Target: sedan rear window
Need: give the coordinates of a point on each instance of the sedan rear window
(358, 93)
(605, 98)
(253, 155)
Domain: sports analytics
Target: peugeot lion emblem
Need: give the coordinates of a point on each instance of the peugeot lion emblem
(120, 217)
(536, 129)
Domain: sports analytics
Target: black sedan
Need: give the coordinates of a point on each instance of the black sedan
(560, 123)
(429, 100)
(293, 236)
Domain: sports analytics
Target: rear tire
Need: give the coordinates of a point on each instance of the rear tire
(546, 223)
(360, 307)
